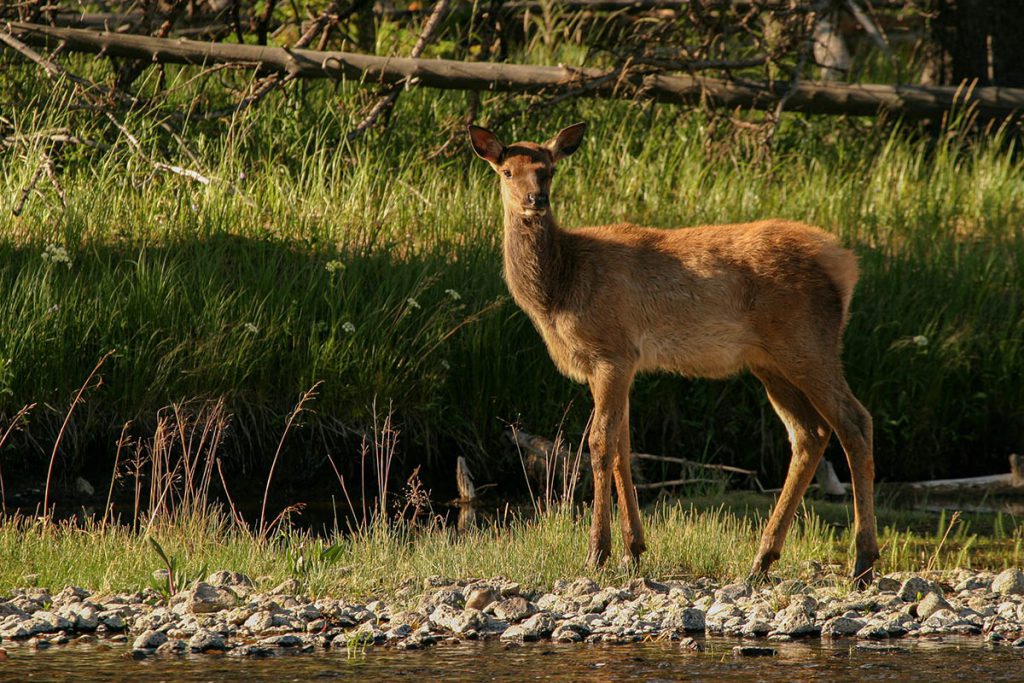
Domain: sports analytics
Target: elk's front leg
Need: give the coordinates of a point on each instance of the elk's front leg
(610, 388)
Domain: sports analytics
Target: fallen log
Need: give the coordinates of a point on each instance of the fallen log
(545, 449)
(807, 97)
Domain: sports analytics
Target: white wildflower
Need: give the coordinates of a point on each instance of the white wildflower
(455, 296)
(55, 253)
(334, 266)
(445, 365)
(250, 327)
(920, 340)
(348, 327)
(412, 302)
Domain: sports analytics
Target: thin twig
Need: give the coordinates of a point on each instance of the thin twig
(307, 396)
(63, 427)
(3, 439)
(113, 475)
(27, 190)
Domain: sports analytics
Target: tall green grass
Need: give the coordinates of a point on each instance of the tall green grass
(375, 267)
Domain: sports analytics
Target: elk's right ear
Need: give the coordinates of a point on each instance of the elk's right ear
(486, 144)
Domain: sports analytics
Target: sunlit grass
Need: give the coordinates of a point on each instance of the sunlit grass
(380, 558)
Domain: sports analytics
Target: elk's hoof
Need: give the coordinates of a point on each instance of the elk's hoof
(597, 558)
(759, 578)
(863, 574)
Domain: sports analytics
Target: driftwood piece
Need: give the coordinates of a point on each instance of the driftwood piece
(542, 457)
(991, 481)
(1017, 469)
(808, 97)
(828, 482)
(464, 481)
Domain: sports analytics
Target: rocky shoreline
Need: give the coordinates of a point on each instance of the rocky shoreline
(227, 614)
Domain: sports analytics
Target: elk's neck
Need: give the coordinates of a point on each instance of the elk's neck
(536, 263)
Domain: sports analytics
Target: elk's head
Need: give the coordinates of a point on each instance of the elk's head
(526, 168)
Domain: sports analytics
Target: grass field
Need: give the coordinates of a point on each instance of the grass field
(374, 268)
(708, 538)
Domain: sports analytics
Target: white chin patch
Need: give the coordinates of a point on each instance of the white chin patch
(534, 212)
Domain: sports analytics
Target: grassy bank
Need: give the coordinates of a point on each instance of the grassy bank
(710, 538)
(374, 268)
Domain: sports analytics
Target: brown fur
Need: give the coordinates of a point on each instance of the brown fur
(771, 297)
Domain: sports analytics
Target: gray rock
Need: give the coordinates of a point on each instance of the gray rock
(795, 621)
(444, 596)
(1009, 582)
(14, 631)
(791, 587)
(930, 604)
(691, 645)
(283, 640)
(973, 582)
(570, 632)
(224, 577)
(645, 586)
(941, 620)
(481, 597)
(471, 620)
(841, 627)
(688, 620)
(253, 651)
(259, 621)
(86, 617)
(204, 641)
(733, 591)
(755, 628)
(206, 599)
(287, 587)
(915, 588)
(69, 595)
(887, 584)
(445, 616)
(577, 589)
(514, 609)
(599, 601)
(398, 632)
(149, 640)
(83, 487)
(538, 626)
(111, 620)
(172, 647)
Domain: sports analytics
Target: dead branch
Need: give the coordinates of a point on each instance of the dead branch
(808, 97)
(389, 95)
(546, 449)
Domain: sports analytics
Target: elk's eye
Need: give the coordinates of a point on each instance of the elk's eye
(508, 173)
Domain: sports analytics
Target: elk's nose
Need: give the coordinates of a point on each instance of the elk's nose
(538, 200)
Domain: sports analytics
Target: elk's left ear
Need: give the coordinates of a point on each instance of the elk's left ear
(486, 144)
(567, 141)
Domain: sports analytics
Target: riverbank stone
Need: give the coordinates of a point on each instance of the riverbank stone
(1009, 582)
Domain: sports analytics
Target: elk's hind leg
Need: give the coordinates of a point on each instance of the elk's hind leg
(852, 424)
(629, 510)
(808, 435)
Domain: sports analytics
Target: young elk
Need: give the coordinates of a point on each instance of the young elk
(710, 301)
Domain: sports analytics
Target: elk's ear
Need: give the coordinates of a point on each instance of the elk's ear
(486, 144)
(567, 141)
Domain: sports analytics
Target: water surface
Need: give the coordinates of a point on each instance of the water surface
(950, 659)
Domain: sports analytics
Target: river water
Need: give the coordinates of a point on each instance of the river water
(950, 659)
